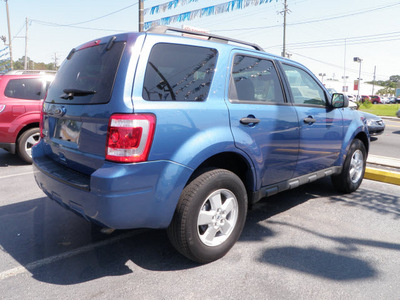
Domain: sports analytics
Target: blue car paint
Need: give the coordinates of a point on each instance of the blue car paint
(186, 135)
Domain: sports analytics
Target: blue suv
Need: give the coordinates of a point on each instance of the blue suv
(157, 130)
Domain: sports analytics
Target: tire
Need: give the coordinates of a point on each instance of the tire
(210, 216)
(353, 170)
(25, 143)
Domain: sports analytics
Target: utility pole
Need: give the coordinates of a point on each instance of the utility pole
(141, 15)
(285, 11)
(9, 36)
(373, 82)
(55, 61)
(26, 45)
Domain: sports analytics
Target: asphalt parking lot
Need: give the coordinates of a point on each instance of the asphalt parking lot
(308, 243)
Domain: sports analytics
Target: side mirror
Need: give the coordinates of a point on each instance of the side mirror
(339, 100)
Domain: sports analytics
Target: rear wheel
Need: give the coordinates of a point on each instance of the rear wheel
(353, 171)
(210, 216)
(25, 143)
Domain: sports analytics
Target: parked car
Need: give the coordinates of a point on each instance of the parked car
(385, 100)
(155, 130)
(398, 113)
(365, 98)
(21, 99)
(375, 99)
(375, 124)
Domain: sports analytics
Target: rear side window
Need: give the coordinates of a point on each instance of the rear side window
(88, 76)
(254, 80)
(179, 72)
(27, 88)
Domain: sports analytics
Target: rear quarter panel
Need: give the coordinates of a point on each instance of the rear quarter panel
(187, 132)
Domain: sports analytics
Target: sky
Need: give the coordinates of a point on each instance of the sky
(324, 35)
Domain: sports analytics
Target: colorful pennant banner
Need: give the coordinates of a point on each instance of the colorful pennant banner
(166, 6)
(194, 14)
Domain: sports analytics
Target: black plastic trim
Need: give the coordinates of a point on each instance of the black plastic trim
(62, 173)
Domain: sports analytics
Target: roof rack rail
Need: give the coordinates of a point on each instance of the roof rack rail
(30, 72)
(211, 37)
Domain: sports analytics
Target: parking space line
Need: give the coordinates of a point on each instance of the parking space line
(19, 174)
(49, 260)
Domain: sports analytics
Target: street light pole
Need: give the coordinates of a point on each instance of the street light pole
(359, 60)
(322, 77)
(9, 35)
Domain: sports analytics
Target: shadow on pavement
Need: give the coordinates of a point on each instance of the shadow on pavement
(319, 263)
(7, 159)
(58, 247)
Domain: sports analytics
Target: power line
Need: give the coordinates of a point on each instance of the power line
(71, 26)
(337, 66)
(375, 38)
(315, 20)
(101, 17)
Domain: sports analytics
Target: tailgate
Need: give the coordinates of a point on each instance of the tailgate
(85, 92)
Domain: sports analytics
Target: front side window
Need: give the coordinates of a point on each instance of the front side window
(27, 88)
(254, 79)
(305, 89)
(179, 73)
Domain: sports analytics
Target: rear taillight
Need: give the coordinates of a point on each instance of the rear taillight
(2, 107)
(129, 137)
(42, 135)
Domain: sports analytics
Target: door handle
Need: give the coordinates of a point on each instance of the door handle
(309, 120)
(247, 121)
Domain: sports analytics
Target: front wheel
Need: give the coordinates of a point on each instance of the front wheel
(353, 170)
(210, 216)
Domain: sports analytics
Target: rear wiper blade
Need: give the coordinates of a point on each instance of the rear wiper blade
(71, 93)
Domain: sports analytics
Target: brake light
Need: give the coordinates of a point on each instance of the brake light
(129, 137)
(90, 44)
(41, 122)
(2, 107)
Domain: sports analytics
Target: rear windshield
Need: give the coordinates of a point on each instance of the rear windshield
(179, 72)
(88, 76)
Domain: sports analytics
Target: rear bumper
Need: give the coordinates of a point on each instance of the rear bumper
(10, 147)
(120, 196)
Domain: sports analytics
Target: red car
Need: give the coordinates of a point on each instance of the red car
(375, 100)
(21, 99)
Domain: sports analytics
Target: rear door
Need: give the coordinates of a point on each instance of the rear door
(88, 88)
(263, 123)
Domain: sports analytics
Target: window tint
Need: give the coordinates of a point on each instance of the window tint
(304, 88)
(28, 88)
(179, 72)
(90, 69)
(254, 79)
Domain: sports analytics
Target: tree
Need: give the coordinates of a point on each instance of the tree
(19, 65)
(395, 78)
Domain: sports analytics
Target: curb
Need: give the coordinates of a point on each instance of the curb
(382, 175)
